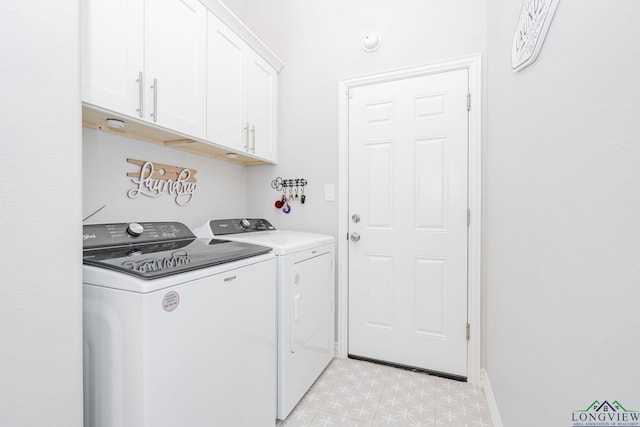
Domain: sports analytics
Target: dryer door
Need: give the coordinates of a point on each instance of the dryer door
(311, 286)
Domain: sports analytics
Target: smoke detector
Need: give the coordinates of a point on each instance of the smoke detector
(371, 42)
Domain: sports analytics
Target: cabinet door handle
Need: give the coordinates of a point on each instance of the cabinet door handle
(253, 139)
(155, 100)
(246, 137)
(141, 93)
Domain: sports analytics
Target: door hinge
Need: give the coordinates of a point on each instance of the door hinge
(468, 102)
(350, 93)
(468, 217)
(468, 332)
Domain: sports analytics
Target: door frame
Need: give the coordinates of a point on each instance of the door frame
(473, 64)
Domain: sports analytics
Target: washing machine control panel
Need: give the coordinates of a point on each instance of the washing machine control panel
(118, 234)
(220, 227)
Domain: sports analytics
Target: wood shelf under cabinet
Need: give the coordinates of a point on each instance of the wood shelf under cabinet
(96, 118)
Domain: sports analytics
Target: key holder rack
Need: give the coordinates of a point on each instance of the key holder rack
(280, 184)
(292, 190)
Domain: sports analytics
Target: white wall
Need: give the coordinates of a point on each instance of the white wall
(220, 192)
(238, 7)
(320, 43)
(40, 146)
(562, 258)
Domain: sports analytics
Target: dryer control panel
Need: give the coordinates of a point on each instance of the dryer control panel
(220, 227)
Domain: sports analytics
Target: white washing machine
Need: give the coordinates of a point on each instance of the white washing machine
(306, 292)
(178, 331)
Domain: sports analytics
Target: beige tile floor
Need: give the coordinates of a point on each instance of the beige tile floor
(352, 393)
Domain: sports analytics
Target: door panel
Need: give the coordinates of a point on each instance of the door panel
(262, 107)
(408, 149)
(431, 158)
(175, 55)
(430, 286)
(379, 172)
(112, 53)
(378, 276)
(226, 87)
(310, 299)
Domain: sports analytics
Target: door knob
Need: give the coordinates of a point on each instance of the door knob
(355, 237)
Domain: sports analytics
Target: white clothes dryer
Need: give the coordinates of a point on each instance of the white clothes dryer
(306, 294)
(178, 331)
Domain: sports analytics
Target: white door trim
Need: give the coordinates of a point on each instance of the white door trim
(473, 65)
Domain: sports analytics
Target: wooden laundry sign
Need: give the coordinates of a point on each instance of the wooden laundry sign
(154, 180)
(533, 25)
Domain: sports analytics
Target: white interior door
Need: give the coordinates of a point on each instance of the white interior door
(408, 169)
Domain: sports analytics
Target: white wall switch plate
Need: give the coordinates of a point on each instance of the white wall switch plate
(329, 193)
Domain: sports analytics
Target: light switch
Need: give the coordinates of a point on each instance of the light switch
(329, 193)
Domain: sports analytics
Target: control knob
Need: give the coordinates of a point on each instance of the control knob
(245, 223)
(134, 229)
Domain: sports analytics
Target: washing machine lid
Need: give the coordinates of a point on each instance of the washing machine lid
(260, 232)
(285, 242)
(158, 249)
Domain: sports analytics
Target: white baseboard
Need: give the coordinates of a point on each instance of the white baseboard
(491, 400)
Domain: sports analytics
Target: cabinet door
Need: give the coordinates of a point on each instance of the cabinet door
(262, 87)
(112, 53)
(175, 58)
(226, 87)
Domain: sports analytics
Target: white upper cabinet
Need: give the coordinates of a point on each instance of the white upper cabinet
(175, 61)
(241, 94)
(226, 88)
(112, 35)
(262, 105)
(147, 60)
(188, 71)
